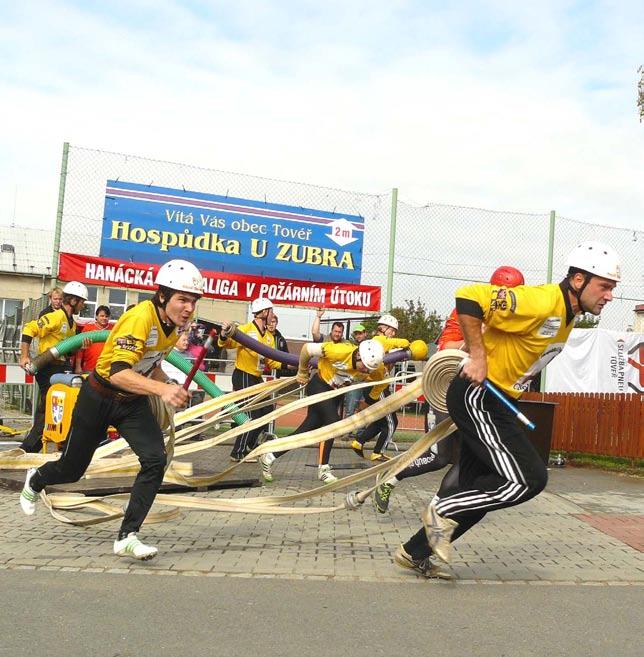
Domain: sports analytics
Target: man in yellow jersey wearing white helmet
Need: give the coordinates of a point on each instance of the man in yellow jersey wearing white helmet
(116, 393)
(339, 365)
(526, 327)
(50, 328)
(386, 426)
(249, 366)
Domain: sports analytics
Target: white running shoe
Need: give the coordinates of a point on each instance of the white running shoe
(266, 461)
(325, 475)
(131, 546)
(439, 532)
(28, 496)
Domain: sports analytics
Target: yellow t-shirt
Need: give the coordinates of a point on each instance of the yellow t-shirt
(391, 343)
(388, 345)
(140, 339)
(247, 360)
(50, 329)
(335, 365)
(526, 327)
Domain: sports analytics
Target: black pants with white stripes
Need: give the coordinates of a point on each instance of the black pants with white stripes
(498, 466)
(247, 441)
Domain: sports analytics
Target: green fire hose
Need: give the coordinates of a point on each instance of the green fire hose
(74, 343)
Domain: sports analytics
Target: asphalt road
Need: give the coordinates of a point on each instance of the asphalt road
(103, 615)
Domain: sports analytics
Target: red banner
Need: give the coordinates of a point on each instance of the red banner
(229, 287)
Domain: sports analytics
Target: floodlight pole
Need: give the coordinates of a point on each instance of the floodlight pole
(392, 248)
(59, 213)
(551, 248)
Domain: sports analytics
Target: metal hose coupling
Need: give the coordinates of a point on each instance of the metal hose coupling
(353, 500)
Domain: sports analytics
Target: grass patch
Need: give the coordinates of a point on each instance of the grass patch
(610, 463)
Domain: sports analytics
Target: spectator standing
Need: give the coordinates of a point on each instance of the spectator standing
(55, 301)
(86, 358)
(280, 345)
(353, 397)
(337, 330)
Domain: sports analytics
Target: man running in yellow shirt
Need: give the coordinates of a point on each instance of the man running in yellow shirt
(339, 365)
(385, 427)
(526, 327)
(116, 393)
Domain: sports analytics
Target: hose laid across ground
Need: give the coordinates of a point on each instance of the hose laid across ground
(434, 385)
(74, 343)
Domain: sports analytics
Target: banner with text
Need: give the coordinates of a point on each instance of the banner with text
(153, 224)
(597, 360)
(229, 287)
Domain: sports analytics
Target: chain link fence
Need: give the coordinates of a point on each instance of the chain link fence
(438, 248)
(441, 247)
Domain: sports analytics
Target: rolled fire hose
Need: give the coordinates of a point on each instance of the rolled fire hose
(436, 380)
(74, 343)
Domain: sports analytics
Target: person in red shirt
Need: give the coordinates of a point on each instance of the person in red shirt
(86, 358)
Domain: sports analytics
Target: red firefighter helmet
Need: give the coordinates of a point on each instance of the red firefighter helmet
(507, 276)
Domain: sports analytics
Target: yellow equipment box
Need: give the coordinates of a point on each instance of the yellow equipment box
(59, 406)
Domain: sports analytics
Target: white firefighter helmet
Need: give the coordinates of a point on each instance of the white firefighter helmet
(597, 259)
(76, 289)
(259, 304)
(389, 320)
(371, 353)
(180, 275)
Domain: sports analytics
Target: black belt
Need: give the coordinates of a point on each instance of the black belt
(110, 393)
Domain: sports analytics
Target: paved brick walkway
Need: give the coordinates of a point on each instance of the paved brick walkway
(551, 539)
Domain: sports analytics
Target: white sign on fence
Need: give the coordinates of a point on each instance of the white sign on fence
(597, 360)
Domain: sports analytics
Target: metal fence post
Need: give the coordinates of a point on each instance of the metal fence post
(392, 248)
(59, 212)
(551, 248)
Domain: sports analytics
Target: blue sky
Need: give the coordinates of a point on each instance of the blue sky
(490, 104)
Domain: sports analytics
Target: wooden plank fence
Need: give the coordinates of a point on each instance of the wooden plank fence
(606, 424)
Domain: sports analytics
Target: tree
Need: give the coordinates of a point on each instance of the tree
(586, 321)
(415, 322)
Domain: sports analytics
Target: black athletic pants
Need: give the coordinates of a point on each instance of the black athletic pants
(319, 415)
(136, 423)
(247, 441)
(384, 428)
(436, 457)
(498, 466)
(33, 440)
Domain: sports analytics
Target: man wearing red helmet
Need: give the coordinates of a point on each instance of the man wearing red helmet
(116, 393)
(525, 328)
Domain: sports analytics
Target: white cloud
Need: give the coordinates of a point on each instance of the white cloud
(492, 104)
